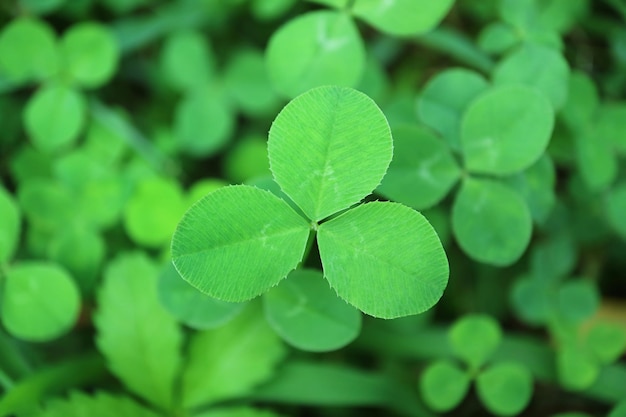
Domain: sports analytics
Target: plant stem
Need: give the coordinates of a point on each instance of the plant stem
(309, 244)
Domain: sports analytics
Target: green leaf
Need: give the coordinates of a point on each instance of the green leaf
(264, 10)
(536, 66)
(536, 185)
(385, 259)
(229, 361)
(497, 37)
(505, 388)
(40, 301)
(187, 60)
(582, 101)
(619, 410)
(90, 54)
(314, 49)
(444, 100)
(54, 116)
(338, 4)
(139, 339)
(307, 314)
(153, 210)
(203, 124)
(597, 162)
(10, 226)
(238, 411)
(249, 86)
(422, 171)
(506, 130)
(491, 222)
(607, 341)
(46, 204)
(28, 50)
(233, 224)
(443, 386)
(402, 17)
(328, 148)
(531, 301)
(561, 15)
(247, 159)
(578, 300)
(474, 339)
(615, 207)
(576, 369)
(99, 405)
(40, 7)
(203, 187)
(609, 124)
(190, 306)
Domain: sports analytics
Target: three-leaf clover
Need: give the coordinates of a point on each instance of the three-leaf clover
(328, 149)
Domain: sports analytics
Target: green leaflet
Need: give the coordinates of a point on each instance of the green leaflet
(443, 385)
(506, 130)
(229, 361)
(247, 160)
(615, 207)
(99, 405)
(238, 411)
(536, 66)
(139, 339)
(576, 369)
(307, 314)
(497, 37)
(54, 116)
(40, 302)
(596, 160)
(384, 258)
(474, 339)
(582, 102)
(491, 222)
(444, 100)
(90, 54)
(317, 48)
(577, 300)
(328, 148)
(422, 171)
(606, 341)
(536, 185)
(28, 50)
(235, 223)
(402, 17)
(10, 226)
(505, 388)
(190, 306)
(187, 60)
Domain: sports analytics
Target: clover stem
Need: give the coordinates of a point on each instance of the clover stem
(309, 242)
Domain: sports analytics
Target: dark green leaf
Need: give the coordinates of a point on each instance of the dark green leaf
(99, 405)
(10, 226)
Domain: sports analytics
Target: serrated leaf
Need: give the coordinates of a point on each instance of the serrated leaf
(229, 361)
(402, 17)
(385, 259)
(10, 226)
(40, 302)
(191, 307)
(317, 48)
(329, 148)
(474, 339)
(99, 405)
(187, 59)
(444, 100)
(505, 388)
(491, 222)
(443, 386)
(307, 314)
(139, 339)
(536, 66)
(506, 130)
(423, 169)
(233, 224)
(90, 54)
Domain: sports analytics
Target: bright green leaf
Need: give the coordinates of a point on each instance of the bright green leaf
(139, 339)
(238, 411)
(307, 314)
(187, 60)
(491, 222)
(578, 300)
(270, 9)
(229, 361)
(597, 162)
(609, 125)
(582, 102)
(576, 369)
(28, 50)
(329, 148)
(247, 159)
(402, 17)
(10, 226)
(497, 37)
(99, 405)
(422, 171)
(54, 116)
(536, 66)
(536, 185)
(444, 100)
(233, 224)
(46, 204)
(561, 15)
(317, 48)
(90, 54)
(505, 388)
(190, 306)
(474, 339)
(506, 130)
(443, 386)
(385, 259)
(40, 301)
(203, 187)
(607, 341)
(615, 206)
